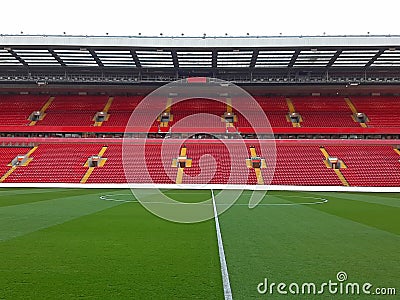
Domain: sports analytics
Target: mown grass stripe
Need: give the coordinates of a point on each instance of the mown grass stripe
(18, 220)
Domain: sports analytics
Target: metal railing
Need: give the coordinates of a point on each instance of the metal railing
(46, 78)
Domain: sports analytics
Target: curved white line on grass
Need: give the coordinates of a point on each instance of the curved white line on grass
(224, 268)
(319, 201)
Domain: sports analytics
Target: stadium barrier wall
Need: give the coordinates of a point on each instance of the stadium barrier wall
(206, 187)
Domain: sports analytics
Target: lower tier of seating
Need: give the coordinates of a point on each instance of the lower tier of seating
(7, 154)
(55, 163)
(369, 165)
(212, 162)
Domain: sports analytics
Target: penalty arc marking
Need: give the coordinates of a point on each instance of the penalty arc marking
(114, 197)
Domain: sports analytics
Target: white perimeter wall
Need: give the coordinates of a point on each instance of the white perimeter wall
(206, 187)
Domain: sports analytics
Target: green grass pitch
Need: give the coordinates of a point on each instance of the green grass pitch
(70, 244)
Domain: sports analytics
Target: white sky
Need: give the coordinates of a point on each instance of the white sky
(213, 17)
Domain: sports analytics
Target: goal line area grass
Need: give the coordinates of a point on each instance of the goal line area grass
(103, 244)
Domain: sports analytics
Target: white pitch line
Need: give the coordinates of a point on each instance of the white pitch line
(320, 201)
(222, 260)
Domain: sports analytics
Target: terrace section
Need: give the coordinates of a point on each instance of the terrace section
(297, 163)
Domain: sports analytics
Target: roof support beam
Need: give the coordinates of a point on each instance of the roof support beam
(96, 58)
(214, 59)
(17, 57)
(175, 58)
(135, 59)
(380, 52)
(254, 58)
(294, 58)
(334, 58)
(57, 57)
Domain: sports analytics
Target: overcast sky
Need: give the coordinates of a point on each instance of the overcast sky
(213, 17)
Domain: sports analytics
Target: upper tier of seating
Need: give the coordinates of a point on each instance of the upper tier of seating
(315, 112)
(73, 110)
(16, 109)
(212, 162)
(324, 111)
(381, 111)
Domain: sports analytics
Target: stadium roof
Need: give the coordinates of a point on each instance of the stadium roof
(180, 53)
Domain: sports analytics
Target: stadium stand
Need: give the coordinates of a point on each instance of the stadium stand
(121, 109)
(56, 163)
(7, 154)
(213, 162)
(381, 111)
(113, 170)
(310, 89)
(315, 112)
(275, 109)
(369, 165)
(191, 107)
(324, 112)
(16, 109)
(73, 111)
(302, 165)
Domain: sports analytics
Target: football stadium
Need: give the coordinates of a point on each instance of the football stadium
(179, 167)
